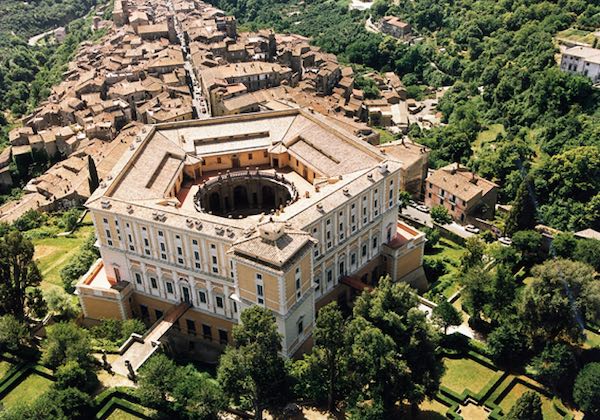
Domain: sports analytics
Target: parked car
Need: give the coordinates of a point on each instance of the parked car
(423, 208)
(412, 203)
(505, 240)
(472, 229)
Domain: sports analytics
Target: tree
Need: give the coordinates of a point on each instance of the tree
(440, 215)
(586, 391)
(475, 294)
(563, 245)
(588, 251)
(36, 304)
(156, 378)
(433, 238)
(473, 254)
(527, 407)
(562, 295)
(80, 263)
(252, 370)
(196, 394)
(61, 304)
(317, 374)
(56, 404)
(404, 198)
(529, 244)
(13, 334)
(502, 293)
(66, 342)
(522, 213)
(392, 348)
(555, 365)
(446, 315)
(93, 179)
(508, 344)
(18, 272)
(72, 375)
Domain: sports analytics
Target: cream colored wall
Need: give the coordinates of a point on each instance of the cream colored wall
(246, 276)
(97, 308)
(290, 279)
(409, 262)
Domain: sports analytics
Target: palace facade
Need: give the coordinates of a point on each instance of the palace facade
(285, 209)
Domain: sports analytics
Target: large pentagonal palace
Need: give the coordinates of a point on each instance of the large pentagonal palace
(287, 209)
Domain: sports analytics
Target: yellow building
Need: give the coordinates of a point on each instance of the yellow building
(283, 209)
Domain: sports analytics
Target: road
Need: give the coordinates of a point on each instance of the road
(199, 102)
(425, 219)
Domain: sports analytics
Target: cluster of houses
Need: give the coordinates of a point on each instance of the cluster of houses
(159, 59)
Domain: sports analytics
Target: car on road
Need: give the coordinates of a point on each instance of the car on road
(472, 229)
(412, 203)
(505, 240)
(423, 208)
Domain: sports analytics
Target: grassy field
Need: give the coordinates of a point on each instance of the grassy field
(119, 414)
(464, 374)
(27, 391)
(519, 389)
(487, 136)
(451, 253)
(384, 135)
(53, 253)
(593, 339)
(576, 35)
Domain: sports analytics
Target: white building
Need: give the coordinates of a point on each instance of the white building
(582, 60)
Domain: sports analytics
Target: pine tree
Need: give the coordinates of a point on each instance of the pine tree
(93, 175)
(522, 214)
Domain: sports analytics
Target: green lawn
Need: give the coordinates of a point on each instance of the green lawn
(576, 35)
(431, 410)
(487, 136)
(464, 374)
(519, 389)
(4, 368)
(27, 391)
(52, 254)
(451, 252)
(593, 339)
(384, 135)
(119, 414)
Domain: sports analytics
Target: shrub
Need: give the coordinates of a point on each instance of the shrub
(72, 375)
(586, 391)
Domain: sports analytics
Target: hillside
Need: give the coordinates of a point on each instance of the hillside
(500, 59)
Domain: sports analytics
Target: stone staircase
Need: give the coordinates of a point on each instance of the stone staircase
(137, 349)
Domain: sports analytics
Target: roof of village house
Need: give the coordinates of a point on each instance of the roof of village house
(393, 20)
(589, 54)
(461, 182)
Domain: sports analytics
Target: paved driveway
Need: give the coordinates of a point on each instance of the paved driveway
(425, 219)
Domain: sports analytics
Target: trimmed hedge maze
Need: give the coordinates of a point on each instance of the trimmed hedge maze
(473, 388)
(121, 404)
(22, 381)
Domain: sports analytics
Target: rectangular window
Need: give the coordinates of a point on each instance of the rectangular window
(202, 296)
(260, 294)
(353, 218)
(146, 241)
(219, 301)
(206, 332)
(223, 336)
(191, 326)
(300, 326)
(317, 283)
(298, 283)
(375, 242)
(153, 283)
(196, 252)
(129, 237)
(329, 276)
(107, 231)
(138, 278)
(169, 287)
(364, 250)
(391, 194)
(249, 156)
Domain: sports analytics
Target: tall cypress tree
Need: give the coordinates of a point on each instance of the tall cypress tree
(93, 175)
(522, 214)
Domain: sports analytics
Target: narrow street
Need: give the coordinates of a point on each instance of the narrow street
(199, 102)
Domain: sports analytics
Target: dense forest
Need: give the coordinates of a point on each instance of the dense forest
(28, 72)
(500, 59)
